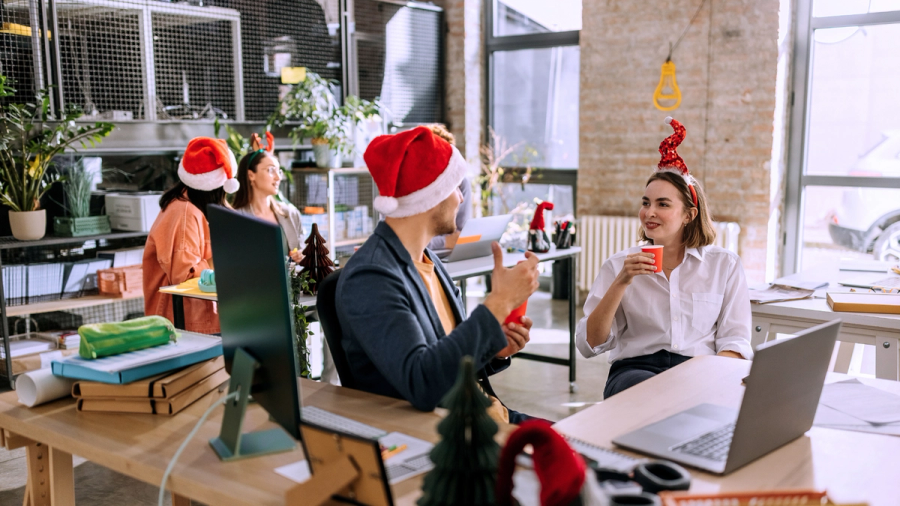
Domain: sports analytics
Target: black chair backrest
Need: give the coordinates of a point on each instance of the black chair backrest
(331, 325)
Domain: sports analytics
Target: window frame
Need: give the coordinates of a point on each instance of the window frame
(797, 179)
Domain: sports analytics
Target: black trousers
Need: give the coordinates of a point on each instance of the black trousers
(628, 372)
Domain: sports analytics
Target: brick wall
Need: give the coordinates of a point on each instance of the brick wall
(726, 69)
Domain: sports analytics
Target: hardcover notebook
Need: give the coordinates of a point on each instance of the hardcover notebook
(864, 302)
(127, 367)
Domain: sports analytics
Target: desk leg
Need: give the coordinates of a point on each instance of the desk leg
(180, 500)
(62, 478)
(462, 293)
(38, 487)
(887, 358)
(178, 311)
(844, 356)
(759, 333)
(572, 294)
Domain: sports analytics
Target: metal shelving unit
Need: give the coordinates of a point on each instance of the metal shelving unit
(9, 243)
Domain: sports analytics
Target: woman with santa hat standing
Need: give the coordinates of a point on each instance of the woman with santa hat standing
(178, 246)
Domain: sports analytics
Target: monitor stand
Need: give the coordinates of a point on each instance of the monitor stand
(232, 444)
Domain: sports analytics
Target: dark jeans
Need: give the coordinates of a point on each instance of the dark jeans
(516, 418)
(628, 372)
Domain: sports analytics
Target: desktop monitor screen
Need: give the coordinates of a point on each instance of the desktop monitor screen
(255, 308)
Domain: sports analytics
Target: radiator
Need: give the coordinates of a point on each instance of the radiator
(603, 236)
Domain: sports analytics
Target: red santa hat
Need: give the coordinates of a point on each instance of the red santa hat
(208, 164)
(560, 470)
(670, 161)
(414, 170)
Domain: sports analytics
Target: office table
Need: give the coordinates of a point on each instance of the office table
(140, 446)
(178, 295)
(851, 466)
(879, 330)
(481, 266)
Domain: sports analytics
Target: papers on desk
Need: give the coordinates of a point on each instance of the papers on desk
(779, 293)
(852, 405)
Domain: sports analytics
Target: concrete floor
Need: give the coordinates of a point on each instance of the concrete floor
(535, 388)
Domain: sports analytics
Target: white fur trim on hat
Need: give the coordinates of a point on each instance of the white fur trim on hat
(427, 198)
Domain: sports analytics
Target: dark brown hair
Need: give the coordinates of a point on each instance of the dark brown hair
(242, 197)
(200, 198)
(700, 231)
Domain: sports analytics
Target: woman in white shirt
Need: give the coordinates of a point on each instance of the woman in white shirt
(698, 304)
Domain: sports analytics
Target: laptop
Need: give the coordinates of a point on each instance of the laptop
(779, 405)
(475, 238)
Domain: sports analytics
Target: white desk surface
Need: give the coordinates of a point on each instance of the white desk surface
(484, 265)
(851, 466)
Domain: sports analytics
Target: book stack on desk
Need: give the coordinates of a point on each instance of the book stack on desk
(164, 394)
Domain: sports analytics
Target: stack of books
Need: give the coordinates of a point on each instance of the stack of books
(163, 394)
(64, 339)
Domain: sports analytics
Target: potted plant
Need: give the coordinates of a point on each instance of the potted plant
(313, 108)
(29, 139)
(77, 194)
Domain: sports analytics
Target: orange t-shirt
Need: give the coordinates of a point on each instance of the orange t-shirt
(178, 249)
(497, 411)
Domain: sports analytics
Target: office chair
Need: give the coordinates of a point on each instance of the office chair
(331, 326)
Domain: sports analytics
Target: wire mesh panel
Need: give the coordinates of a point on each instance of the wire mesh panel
(351, 211)
(194, 66)
(399, 59)
(100, 58)
(16, 51)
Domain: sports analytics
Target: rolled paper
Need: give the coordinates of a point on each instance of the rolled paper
(40, 386)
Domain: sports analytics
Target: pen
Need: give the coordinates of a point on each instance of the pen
(390, 452)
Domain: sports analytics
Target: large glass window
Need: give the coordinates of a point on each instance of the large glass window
(844, 181)
(518, 17)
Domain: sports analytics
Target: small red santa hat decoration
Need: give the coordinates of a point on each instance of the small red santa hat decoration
(414, 170)
(208, 164)
(670, 161)
(561, 472)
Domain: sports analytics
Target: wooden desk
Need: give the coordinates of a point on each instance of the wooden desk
(141, 446)
(178, 295)
(852, 466)
(879, 330)
(481, 266)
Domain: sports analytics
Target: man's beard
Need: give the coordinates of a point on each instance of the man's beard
(445, 222)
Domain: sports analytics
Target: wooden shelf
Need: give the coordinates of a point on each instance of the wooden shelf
(350, 242)
(64, 304)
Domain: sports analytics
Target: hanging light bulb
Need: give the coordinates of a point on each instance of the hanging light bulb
(667, 89)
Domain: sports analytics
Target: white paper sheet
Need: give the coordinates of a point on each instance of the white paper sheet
(831, 418)
(861, 401)
(297, 472)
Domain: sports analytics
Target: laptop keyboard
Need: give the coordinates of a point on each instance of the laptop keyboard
(340, 423)
(402, 470)
(712, 445)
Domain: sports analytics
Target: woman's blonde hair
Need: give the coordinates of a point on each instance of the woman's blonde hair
(442, 132)
(700, 231)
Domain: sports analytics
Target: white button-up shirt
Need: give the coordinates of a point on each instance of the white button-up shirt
(704, 308)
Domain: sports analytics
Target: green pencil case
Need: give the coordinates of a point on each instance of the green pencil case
(105, 339)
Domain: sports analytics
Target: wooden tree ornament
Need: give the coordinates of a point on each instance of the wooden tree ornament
(315, 259)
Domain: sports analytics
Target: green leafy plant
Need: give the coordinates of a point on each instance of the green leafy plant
(495, 173)
(30, 136)
(315, 114)
(299, 287)
(237, 143)
(77, 191)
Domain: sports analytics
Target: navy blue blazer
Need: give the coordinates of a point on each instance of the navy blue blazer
(393, 338)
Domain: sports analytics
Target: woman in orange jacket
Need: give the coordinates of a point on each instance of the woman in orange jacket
(178, 246)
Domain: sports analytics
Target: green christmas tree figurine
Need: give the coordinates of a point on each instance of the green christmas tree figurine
(315, 260)
(465, 461)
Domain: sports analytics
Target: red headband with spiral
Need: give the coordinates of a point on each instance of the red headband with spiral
(670, 161)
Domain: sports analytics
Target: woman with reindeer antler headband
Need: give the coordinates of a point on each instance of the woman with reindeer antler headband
(652, 317)
(259, 174)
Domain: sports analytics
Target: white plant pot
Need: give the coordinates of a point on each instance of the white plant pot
(28, 225)
(325, 157)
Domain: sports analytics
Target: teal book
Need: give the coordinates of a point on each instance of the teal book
(190, 349)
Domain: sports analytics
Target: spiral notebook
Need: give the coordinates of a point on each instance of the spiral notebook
(605, 458)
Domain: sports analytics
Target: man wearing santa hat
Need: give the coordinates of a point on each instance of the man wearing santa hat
(178, 247)
(404, 326)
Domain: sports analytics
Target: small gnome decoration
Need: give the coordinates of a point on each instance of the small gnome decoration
(562, 472)
(538, 241)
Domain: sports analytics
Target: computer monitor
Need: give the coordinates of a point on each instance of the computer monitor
(255, 313)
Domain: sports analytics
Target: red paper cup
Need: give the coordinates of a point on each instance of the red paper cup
(657, 255)
(517, 314)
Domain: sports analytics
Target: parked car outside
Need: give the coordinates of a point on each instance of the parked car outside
(867, 221)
